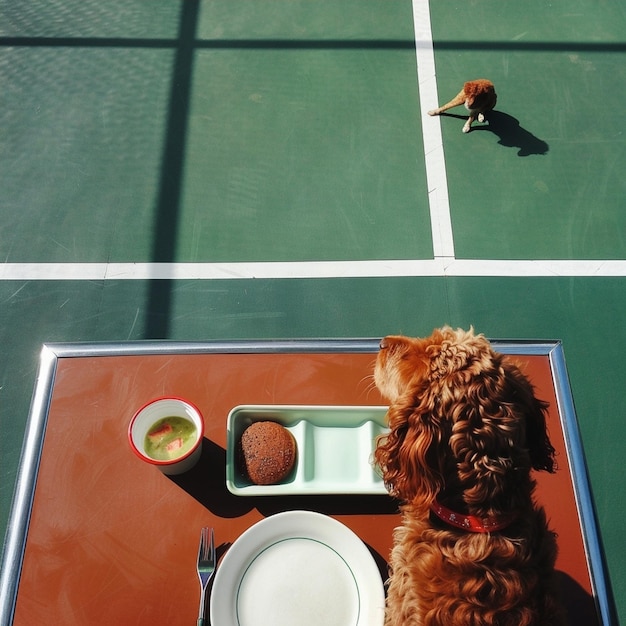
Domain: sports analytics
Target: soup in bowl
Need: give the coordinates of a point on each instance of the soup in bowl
(167, 432)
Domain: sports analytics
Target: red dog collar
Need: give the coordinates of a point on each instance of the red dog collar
(471, 523)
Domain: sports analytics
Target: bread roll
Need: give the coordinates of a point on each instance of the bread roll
(268, 452)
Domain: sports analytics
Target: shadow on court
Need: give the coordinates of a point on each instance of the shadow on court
(509, 132)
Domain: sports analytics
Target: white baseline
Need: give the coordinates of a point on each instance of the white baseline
(440, 267)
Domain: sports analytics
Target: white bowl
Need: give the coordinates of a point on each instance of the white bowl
(152, 412)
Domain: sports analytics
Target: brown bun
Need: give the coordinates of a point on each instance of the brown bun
(268, 451)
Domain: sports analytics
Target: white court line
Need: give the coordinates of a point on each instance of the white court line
(314, 269)
(436, 177)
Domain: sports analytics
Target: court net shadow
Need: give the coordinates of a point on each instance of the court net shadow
(159, 305)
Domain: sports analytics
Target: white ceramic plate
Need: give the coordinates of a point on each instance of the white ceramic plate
(334, 449)
(298, 568)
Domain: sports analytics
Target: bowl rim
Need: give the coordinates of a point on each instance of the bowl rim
(148, 459)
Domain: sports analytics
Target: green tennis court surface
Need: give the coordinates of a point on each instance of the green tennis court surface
(290, 132)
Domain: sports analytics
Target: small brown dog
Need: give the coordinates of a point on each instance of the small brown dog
(465, 431)
(478, 96)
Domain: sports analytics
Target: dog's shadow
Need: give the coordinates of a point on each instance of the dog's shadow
(509, 132)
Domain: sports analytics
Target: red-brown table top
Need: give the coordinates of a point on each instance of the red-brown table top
(112, 540)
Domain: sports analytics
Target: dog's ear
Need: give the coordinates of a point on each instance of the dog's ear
(487, 444)
(408, 455)
(520, 395)
(498, 432)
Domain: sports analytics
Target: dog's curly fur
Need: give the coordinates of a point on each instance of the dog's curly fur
(465, 430)
(479, 97)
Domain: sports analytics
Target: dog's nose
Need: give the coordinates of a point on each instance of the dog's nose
(384, 343)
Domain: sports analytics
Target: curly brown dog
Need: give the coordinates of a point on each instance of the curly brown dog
(465, 431)
(478, 96)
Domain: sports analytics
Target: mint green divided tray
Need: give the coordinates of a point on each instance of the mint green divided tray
(334, 455)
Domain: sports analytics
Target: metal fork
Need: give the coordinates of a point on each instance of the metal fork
(206, 567)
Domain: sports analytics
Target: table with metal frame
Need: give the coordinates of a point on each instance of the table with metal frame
(95, 535)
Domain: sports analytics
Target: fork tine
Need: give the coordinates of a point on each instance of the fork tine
(201, 547)
(211, 551)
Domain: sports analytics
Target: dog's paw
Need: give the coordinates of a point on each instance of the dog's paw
(481, 118)
(467, 127)
(434, 112)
